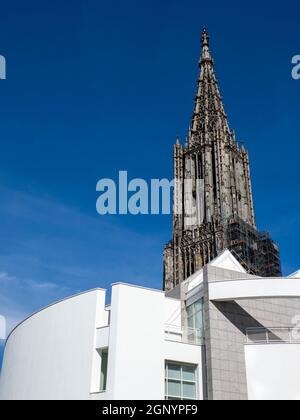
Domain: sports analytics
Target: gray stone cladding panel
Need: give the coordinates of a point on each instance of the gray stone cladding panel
(225, 329)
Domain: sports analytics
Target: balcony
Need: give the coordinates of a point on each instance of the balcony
(288, 335)
(178, 334)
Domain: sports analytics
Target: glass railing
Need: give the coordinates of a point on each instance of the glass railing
(184, 335)
(277, 335)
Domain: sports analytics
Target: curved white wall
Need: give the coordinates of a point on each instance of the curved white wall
(49, 356)
(54, 354)
(256, 288)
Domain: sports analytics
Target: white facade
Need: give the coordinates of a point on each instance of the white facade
(55, 353)
(59, 352)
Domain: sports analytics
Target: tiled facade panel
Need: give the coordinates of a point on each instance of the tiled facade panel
(225, 328)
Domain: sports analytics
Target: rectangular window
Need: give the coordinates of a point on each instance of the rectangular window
(195, 320)
(104, 363)
(181, 381)
(195, 314)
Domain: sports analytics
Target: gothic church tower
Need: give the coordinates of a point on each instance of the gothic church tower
(213, 203)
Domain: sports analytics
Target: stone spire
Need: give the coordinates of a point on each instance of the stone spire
(209, 116)
(213, 203)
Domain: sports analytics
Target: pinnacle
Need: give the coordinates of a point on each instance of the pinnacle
(205, 38)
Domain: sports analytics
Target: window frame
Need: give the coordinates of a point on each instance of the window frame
(195, 313)
(181, 381)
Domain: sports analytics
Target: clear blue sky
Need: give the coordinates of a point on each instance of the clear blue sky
(96, 87)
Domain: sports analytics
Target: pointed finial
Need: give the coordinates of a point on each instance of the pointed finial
(205, 38)
(177, 141)
(205, 47)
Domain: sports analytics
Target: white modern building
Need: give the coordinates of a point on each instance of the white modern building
(222, 334)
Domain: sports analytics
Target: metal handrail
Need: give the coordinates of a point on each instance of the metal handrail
(273, 335)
